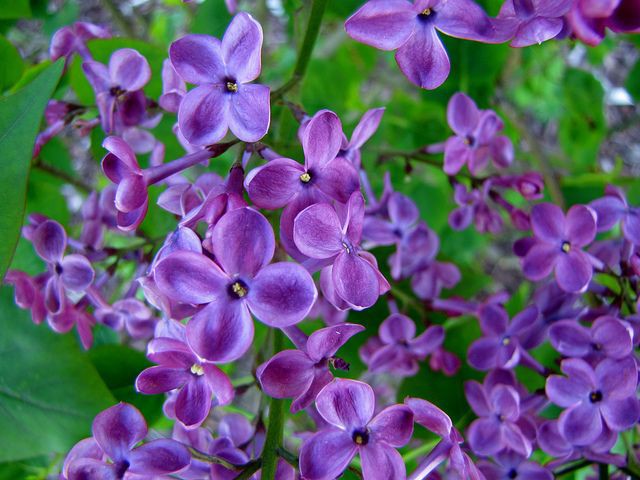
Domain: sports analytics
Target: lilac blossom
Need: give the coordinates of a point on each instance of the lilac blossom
(608, 337)
(348, 407)
(498, 407)
(130, 314)
(558, 243)
(224, 98)
(473, 206)
(301, 374)
(589, 20)
(533, 21)
(73, 39)
(365, 129)
(173, 88)
(595, 398)
(476, 138)
(243, 282)
(427, 283)
(112, 452)
(29, 293)
(510, 465)
(500, 346)
(612, 209)
(400, 350)
(352, 280)
(411, 30)
(118, 87)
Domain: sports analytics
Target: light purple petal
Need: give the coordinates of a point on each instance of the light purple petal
(129, 70)
(540, 260)
(219, 383)
(428, 341)
(198, 59)
(548, 223)
(287, 375)
(483, 354)
(326, 454)
(621, 414)
(382, 461)
(609, 211)
(397, 328)
(462, 114)
(573, 271)
(117, 430)
(243, 242)
(77, 273)
(338, 179)
(193, 402)
(393, 425)
(430, 416)
(385, 25)
(456, 155)
(325, 342)
(506, 402)
(477, 398)
(536, 31)
(346, 403)
(203, 114)
(485, 437)
(274, 184)
(493, 319)
(322, 139)
(356, 280)
(98, 75)
(241, 47)
(249, 112)
(582, 424)
(221, 332)
(423, 59)
(570, 338)
(156, 380)
(366, 127)
(581, 225)
(50, 240)
(317, 231)
(84, 468)
(159, 457)
(617, 378)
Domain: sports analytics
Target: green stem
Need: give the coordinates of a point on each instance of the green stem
(275, 427)
(572, 468)
(249, 469)
(203, 457)
(603, 471)
(62, 175)
(304, 56)
(420, 451)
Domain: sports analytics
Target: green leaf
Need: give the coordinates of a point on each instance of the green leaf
(20, 117)
(119, 366)
(14, 9)
(11, 65)
(49, 390)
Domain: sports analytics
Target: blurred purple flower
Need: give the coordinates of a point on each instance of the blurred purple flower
(73, 39)
(533, 21)
(613, 208)
(365, 129)
(509, 465)
(589, 20)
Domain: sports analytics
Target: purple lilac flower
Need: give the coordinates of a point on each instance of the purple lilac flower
(173, 88)
(533, 21)
(608, 337)
(179, 368)
(595, 398)
(476, 137)
(460, 466)
(116, 432)
(589, 20)
(613, 208)
(473, 206)
(73, 39)
(66, 272)
(500, 346)
(428, 281)
(301, 374)
(348, 407)
(497, 428)
(509, 465)
(285, 183)
(243, 243)
(365, 129)
(400, 351)
(224, 98)
(558, 243)
(411, 30)
(130, 314)
(28, 293)
(352, 280)
(118, 87)
(71, 315)
(443, 361)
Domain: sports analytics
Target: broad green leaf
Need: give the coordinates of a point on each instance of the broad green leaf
(49, 390)
(20, 117)
(11, 65)
(14, 9)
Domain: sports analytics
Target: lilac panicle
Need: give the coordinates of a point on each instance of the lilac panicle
(301, 374)
(348, 407)
(352, 280)
(197, 381)
(595, 398)
(112, 452)
(558, 246)
(411, 30)
(224, 98)
(241, 283)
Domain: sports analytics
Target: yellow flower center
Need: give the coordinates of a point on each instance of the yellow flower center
(232, 87)
(305, 177)
(238, 289)
(197, 369)
(566, 247)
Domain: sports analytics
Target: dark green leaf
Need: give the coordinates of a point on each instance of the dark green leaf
(14, 9)
(11, 66)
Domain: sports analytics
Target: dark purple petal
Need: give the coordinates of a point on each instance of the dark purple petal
(612, 337)
(397, 328)
(274, 184)
(322, 139)
(430, 416)
(159, 457)
(118, 429)
(506, 402)
(382, 461)
(77, 273)
(582, 424)
(89, 468)
(243, 242)
(423, 59)
(241, 47)
(219, 383)
(221, 332)
(570, 338)
(325, 342)
(50, 240)
(366, 127)
(131, 193)
(609, 211)
(493, 319)
(631, 226)
(548, 223)
(536, 31)
(198, 59)
(326, 454)
(317, 231)
(573, 271)
(249, 112)
(540, 260)
(462, 114)
(581, 225)
(356, 280)
(338, 179)
(485, 437)
(393, 425)
(190, 277)
(287, 375)
(483, 354)
(156, 380)
(477, 398)
(193, 402)
(617, 378)
(346, 403)
(621, 414)
(129, 70)
(428, 341)
(382, 24)
(203, 115)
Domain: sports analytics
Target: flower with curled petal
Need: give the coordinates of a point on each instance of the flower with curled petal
(112, 452)
(595, 398)
(533, 21)
(411, 30)
(558, 246)
(348, 406)
(224, 98)
(352, 280)
(365, 129)
(301, 374)
(613, 209)
(241, 283)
